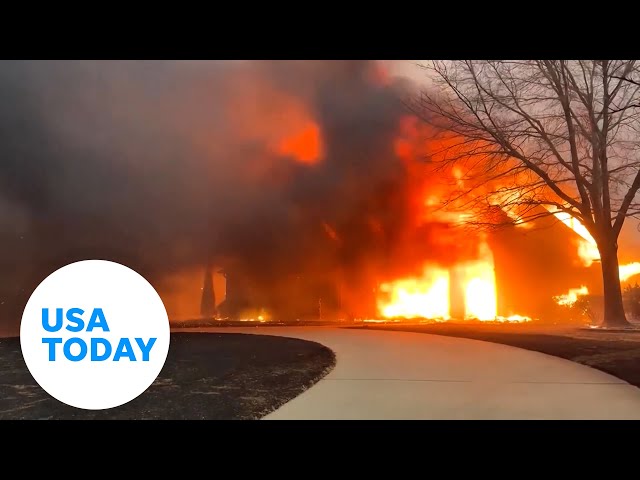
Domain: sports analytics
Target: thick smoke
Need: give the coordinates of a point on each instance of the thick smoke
(161, 165)
(276, 170)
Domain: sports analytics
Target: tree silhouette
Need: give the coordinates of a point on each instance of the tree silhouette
(536, 138)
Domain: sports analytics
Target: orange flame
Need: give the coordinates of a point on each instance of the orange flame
(514, 318)
(571, 297)
(259, 112)
(588, 249)
(629, 270)
(428, 296)
(480, 289)
(423, 297)
(304, 144)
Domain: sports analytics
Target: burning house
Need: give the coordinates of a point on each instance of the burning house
(319, 182)
(350, 221)
(494, 282)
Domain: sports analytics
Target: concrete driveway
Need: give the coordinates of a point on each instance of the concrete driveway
(400, 375)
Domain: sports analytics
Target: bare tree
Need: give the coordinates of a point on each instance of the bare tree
(535, 138)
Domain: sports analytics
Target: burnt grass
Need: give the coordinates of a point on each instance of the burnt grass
(207, 376)
(618, 355)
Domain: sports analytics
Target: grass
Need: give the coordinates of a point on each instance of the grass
(208, 376)
(612, 352)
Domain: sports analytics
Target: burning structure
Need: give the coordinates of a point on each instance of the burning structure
(307, 182)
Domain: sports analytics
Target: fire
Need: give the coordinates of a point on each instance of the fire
(255, 315)
(514, 318)
(571, 297)
(508, 200)
(260, 112)
(303, 144)
(423, 297)
(428, 296)
(459, 176)
(480, 298)
(629, 270)
(480, 286)
(433, 293)
(588, 249)
(588, 252)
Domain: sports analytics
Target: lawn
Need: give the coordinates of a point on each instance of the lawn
(207, 376)
(612, 352)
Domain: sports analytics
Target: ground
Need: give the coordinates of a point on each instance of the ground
(616, 353)
(218, 374)
(412, 376)
(206, 376)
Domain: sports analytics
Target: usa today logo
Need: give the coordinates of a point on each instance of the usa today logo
(94, 334)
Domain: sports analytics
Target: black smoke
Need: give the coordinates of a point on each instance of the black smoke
(154, 164)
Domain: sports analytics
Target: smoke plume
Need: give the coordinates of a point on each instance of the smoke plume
(161, 165)
(278, 169)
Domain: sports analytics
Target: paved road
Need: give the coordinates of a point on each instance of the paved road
(400, 375)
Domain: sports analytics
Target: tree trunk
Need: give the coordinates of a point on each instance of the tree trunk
(613, 308)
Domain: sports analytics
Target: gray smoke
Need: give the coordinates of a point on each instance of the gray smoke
(160, 164)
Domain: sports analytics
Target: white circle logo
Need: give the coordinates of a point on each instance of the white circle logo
(94, 334)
